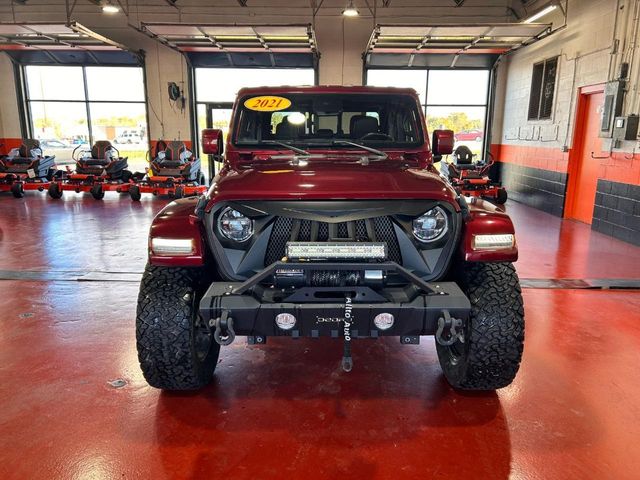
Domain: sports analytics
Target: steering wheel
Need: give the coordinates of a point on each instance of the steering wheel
(376, 136)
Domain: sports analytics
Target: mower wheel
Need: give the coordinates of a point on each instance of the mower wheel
(97, 192)
(134, 193)
(501, 196)
(54, 190)
(17, 189)
(176, 348)
(126, 176)
(490, 355)
(179, 192)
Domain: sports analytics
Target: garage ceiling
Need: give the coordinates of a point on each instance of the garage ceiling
(234, 38)
(62, 43)
(215, 45)
(403, 45)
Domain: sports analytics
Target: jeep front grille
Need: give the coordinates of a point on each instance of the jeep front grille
(378, 229)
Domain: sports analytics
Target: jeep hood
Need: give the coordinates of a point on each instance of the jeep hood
(331, 181)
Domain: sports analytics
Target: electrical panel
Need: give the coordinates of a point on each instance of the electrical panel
(625, 128)
(612, 108)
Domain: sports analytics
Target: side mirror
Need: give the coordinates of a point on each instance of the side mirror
(442, 144)
(212, 143)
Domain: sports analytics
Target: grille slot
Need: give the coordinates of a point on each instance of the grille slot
(379, 229)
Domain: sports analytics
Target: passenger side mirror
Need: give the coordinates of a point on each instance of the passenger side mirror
(212, 143)
(442, 144)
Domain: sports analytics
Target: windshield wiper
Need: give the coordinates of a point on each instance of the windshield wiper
(287, 146)
(379, 153)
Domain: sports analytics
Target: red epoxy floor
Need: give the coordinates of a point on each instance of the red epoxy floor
(285, 410)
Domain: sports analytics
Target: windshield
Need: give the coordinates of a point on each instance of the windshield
(328, 119)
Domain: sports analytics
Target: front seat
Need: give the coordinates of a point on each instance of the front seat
(286, 130)
(360, 125)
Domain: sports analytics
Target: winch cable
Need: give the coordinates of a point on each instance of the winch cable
(347, 360)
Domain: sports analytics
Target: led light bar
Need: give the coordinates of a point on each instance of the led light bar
(336, 251)
(172, 246)
(493, 242)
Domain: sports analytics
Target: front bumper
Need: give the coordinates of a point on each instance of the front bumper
(320, 311)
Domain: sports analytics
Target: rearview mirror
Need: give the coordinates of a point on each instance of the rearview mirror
(212, 143)
(442, 144)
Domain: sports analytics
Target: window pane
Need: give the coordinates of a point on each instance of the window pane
(115, 83)
(467, 124)
(60, 127)
(222, 84)
(124, 125)
(55, 83)
(416, 79)
(458, 87)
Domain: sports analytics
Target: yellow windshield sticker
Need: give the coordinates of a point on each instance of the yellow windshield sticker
(267, 103)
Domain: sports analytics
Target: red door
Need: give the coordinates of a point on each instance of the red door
(583, 168)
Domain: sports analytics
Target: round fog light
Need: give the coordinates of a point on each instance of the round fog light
(384, 321)
(285, 321)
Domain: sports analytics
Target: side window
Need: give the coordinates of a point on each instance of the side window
(543, 83)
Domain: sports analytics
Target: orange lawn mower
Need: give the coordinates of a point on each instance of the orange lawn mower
(97, 171)
(26, 168)
(472, 179)
(174, 171)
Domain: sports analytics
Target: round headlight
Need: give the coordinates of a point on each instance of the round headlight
(430, 226)
(234, 225)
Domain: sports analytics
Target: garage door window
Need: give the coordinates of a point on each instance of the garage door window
(452, 99)
(73, 106)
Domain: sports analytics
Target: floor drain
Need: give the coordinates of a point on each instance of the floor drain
(117, 383)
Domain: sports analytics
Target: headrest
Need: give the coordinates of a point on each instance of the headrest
(463, 155)
(174, 149)
(286, 129)
(29, 144)
(100, 148)
(360, 125)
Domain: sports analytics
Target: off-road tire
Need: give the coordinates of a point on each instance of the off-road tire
(54, 190)
(167, 326)
(134, 193)
(490, 356)
(501, 196)
(17, 190)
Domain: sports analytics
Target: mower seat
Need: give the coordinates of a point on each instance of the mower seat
(172, 155)
(99, 154)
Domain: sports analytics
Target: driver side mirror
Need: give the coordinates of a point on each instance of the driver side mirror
(212, 143)
(442, 144)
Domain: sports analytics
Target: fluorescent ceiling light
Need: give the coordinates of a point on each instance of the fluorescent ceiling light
(110, 8)
(540, 14)
(351, 10)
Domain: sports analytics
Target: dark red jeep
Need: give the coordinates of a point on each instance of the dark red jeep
(328, 218)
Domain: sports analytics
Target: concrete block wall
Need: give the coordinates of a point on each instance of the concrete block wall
(598, 36)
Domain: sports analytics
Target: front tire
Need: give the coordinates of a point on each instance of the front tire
(17, 190)
(176, 348)
(134, 193)
(501, 197)
(55, 191)
(490, 356)
(96, 192)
